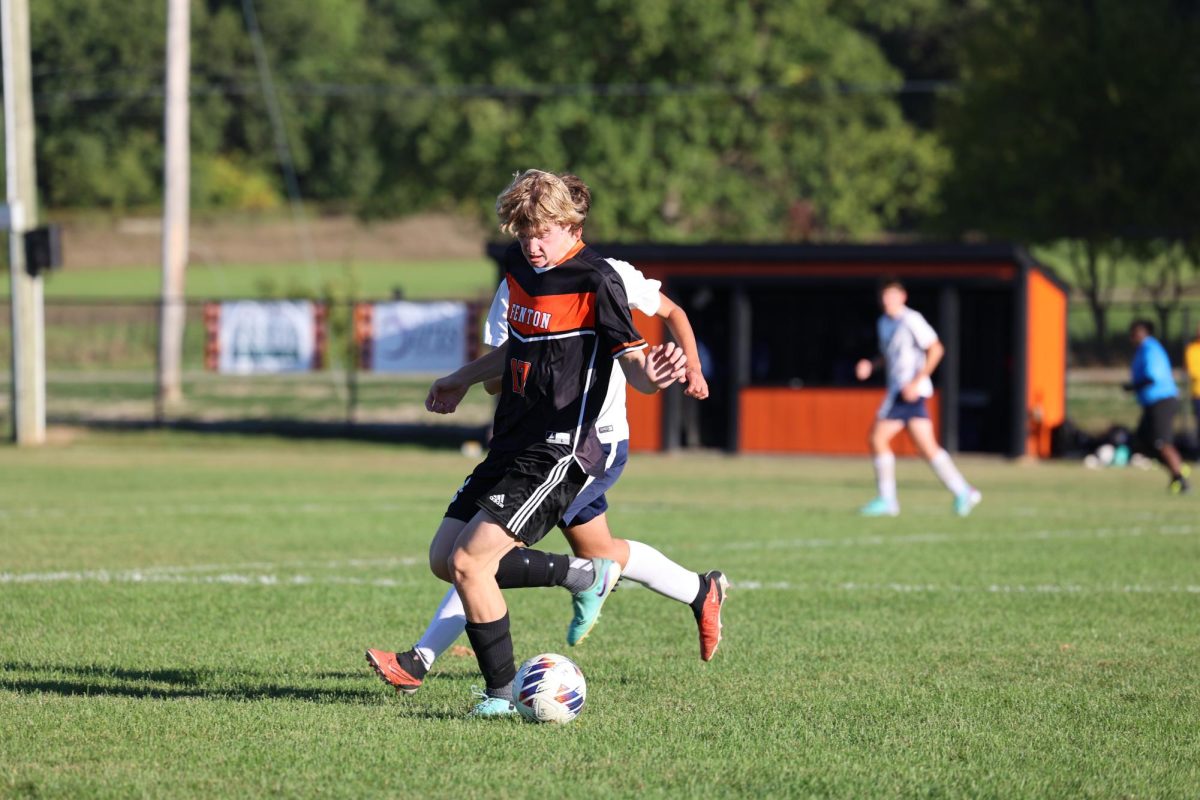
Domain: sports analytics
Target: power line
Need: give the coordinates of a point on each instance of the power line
(282, 146)
(238, 88)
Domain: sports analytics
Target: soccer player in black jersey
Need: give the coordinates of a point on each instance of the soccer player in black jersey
(570, 325)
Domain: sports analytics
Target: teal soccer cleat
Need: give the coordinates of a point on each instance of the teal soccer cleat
(880, 508)
(489, 706)
(587, 603)
(965, 502)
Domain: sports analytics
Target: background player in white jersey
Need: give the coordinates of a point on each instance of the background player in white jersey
(585, 523)
(911, 351)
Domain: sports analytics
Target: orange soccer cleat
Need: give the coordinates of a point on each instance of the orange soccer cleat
(390, 672)
(709, 621)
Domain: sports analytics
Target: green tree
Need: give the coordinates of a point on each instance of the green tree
(95, 64)
(692, 119)
(1077, 119)
(98, 80)
(1163, 272)
(706, 119)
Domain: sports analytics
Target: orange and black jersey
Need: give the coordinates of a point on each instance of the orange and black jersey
(567, 325)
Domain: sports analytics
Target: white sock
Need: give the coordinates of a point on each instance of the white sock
(448, 623)
(655, 571)
(885, 476)
(943, 467)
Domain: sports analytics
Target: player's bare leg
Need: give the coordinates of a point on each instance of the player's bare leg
(1169, 455)
(705, 594)
(594, 539)
(442, 546)
(473, 564)
(966, 497)
(885, 503)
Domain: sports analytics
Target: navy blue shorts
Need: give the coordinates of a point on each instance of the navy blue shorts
(898, 409)
(591, 502)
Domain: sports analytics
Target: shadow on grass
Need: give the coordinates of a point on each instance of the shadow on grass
(447, 436)
(205, 684)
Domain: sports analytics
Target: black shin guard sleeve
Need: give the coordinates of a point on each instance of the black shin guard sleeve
(521, 568)
(494, 651)
(697, 603)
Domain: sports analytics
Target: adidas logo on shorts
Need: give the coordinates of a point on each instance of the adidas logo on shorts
(498, 499)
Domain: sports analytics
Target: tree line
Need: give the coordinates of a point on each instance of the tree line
(692, 119)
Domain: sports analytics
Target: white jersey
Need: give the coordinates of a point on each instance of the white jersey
(612, 425)
(903, 342)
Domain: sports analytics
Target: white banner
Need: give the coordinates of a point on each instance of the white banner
(267, 336)
(418, 337)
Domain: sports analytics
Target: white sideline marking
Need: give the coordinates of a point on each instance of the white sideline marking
(230, 578)
(227, 573)
(247, 509)
(994, 588)
(258, 509)
(265, 573)
(273, 579)
(954, 538)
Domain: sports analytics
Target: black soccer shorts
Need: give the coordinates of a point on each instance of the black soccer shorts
(1157, 425)
(527, 491)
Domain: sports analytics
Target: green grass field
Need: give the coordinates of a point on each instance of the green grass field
(185, 616)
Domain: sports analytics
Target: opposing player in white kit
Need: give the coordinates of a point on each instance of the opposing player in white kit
(911, 351)
(585, 523)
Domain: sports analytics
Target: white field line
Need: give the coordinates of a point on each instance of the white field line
(225, 573)
(254, 509)
(266, 573)
(228, 578)
(273, 579)
(956, 538)
(993, 588)
(242, 510)
(234, 573)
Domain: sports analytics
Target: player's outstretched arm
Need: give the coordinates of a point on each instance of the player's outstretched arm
(446, 393)
(658, 368)
(681, 329)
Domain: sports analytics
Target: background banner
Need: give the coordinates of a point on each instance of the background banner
(257, 337)
(403, 336)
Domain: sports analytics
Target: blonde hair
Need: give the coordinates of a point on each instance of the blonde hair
(581, 195)
(536, 199)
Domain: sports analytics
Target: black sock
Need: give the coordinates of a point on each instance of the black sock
(494, 652)
(521, 568)
(411, 663)
(698, 601)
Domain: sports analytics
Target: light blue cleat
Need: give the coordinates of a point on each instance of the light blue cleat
(965, 502)
(880, 508)
(488, 706)
(587, 603)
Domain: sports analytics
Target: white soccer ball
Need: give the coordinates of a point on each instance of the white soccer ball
(549, 688)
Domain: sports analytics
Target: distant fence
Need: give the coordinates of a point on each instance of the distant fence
(101, 358)
(1180, 329)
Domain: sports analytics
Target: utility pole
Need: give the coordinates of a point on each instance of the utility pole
(176, 207)
(28, 332)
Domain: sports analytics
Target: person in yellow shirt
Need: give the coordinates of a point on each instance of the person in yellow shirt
(1191, 358)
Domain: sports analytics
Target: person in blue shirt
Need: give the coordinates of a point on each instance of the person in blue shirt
(1157, 394)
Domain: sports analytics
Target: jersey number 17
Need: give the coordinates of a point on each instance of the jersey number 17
(520, 374)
